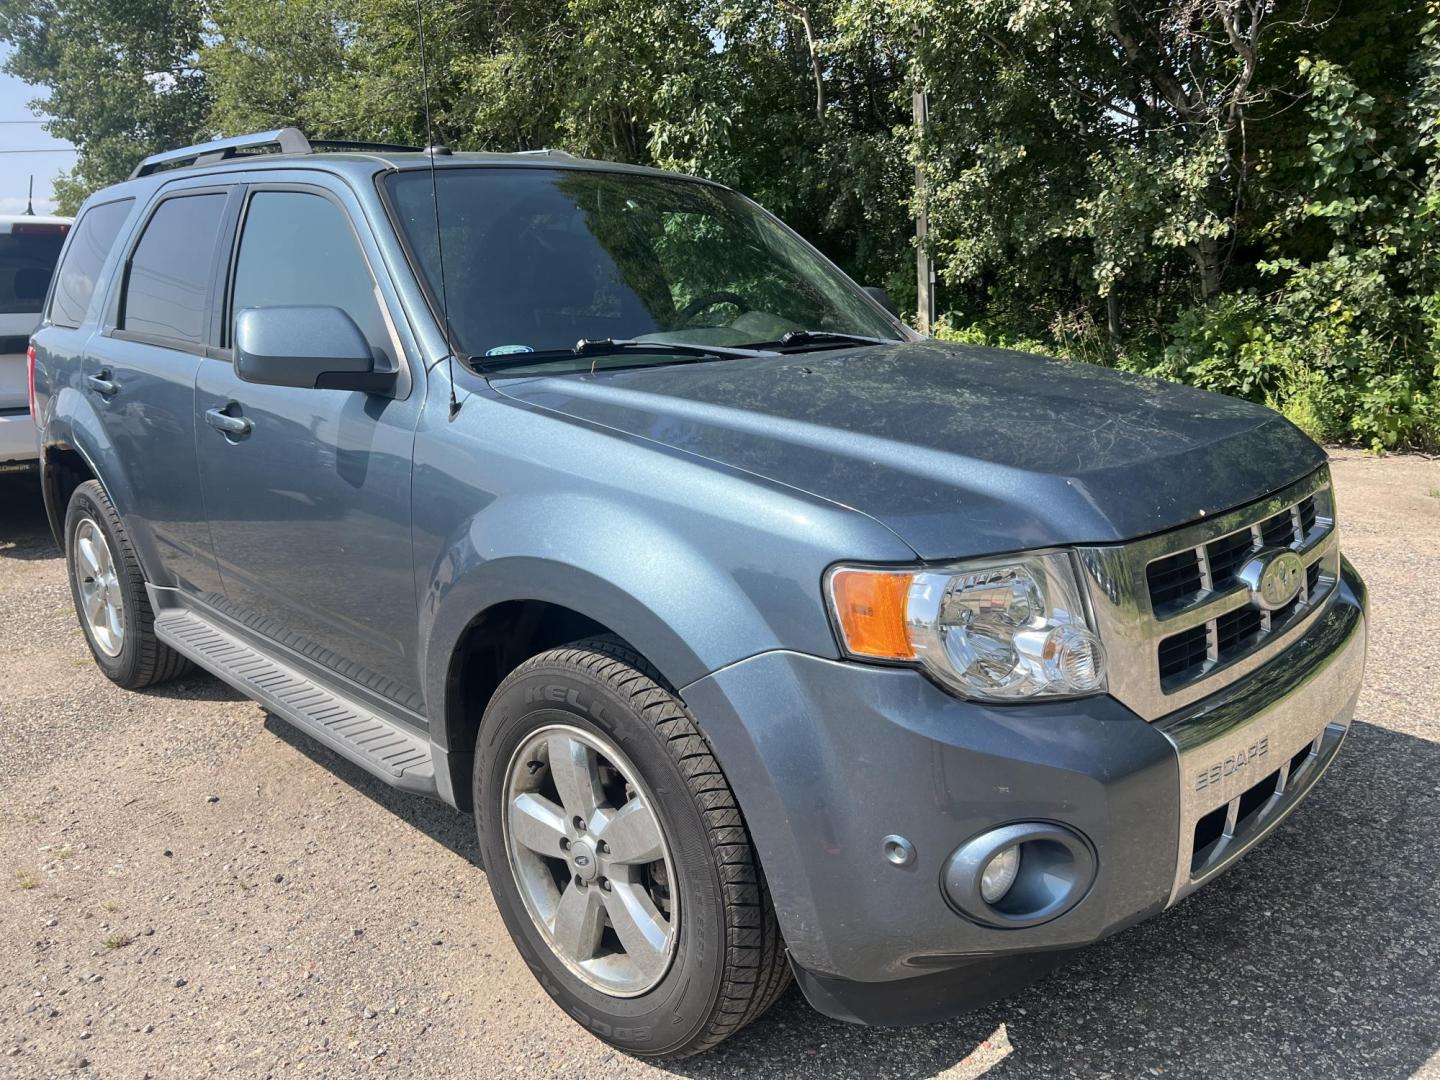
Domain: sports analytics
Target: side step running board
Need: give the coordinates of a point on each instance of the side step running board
(378, 745)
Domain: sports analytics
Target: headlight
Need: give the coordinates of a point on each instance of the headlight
(998, 630)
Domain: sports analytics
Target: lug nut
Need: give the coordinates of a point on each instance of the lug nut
(564, 843)
(605, 883)
(579, 884)
(579, 824)
(603, 848)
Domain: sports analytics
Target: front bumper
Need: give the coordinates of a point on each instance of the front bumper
(19, 438)
(829, 759)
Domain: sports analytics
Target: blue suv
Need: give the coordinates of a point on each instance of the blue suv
(761, 636)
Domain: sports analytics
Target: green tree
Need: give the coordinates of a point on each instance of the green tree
(1089, 151)
(1238, 193)
(120, 77)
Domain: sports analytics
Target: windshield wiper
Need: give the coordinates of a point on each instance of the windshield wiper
(792, 338)
(613, 346)
(610, 346)
(807, 337)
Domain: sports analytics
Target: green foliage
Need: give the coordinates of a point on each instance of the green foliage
(995, 338)
(1226, 347)
(121, 78)
(1241, 196)
(1336, 322)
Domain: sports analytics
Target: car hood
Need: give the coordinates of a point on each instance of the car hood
(959, 450)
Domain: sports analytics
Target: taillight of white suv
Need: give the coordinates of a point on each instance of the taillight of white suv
(30, 381)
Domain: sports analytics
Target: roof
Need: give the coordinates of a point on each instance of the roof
(367, 163)
(362, 167)
(291, 145)
(356, 161)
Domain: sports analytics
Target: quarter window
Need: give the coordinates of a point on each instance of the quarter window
(169, 279)
(80, 271)
(297, 249)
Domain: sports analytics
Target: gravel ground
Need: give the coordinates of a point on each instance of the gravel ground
(191, 888)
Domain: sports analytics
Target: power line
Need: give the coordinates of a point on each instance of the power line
(23, 121)
(45, 150)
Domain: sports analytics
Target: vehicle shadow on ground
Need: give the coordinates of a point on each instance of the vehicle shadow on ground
(196, 686)
(1316, 956)
(24, 529)
(443, 824)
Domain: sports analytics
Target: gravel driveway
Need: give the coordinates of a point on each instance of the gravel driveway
(190, 888)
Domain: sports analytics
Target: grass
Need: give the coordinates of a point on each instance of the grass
(66, 852)
(25, 879)
(1434, 493)
(111, 905)
(117, 940)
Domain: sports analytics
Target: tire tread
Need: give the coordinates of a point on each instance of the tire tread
(156, 662)
(756, 970)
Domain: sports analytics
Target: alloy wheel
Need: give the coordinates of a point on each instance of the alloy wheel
(98, 583)
(591, 859)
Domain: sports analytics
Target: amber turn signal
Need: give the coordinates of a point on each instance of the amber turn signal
(870, 607)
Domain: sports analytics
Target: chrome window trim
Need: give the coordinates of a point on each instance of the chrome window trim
(1131, 632)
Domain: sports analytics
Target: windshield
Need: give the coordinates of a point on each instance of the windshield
(27, 259)
(537, 259)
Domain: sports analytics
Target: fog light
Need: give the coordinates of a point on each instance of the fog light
(999, 875)
(1019, 875)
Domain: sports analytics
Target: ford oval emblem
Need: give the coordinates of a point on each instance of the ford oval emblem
(1274, 577)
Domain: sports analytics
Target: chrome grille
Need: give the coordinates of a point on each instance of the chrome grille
(1177, 621)
(1176, 580)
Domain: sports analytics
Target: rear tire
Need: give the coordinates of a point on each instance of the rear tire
(109, 593)
(723, 962)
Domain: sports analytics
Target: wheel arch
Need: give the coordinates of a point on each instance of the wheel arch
(493, 644)
(62, 470)
(467, 660)
(73, 449)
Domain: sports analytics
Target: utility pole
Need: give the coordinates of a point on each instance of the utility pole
(924, 271)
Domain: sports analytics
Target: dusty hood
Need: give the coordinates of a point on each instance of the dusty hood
(959, 450)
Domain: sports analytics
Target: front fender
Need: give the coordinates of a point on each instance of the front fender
(483, 585)
(657, 586)
(696, 565)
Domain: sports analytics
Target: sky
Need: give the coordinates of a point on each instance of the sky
(27, 135)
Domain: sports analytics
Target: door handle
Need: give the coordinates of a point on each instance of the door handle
(102, 385)
(230, 425)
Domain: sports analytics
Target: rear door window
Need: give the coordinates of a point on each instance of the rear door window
(167, 287)
(78, 275)
(27, 259)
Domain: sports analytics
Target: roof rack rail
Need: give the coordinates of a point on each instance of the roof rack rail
(350, 144)
(546, 152)
(288, 140)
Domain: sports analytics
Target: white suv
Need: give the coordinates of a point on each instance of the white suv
(29, 248)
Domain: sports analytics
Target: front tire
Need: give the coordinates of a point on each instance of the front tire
(108, 588)
(618, 856)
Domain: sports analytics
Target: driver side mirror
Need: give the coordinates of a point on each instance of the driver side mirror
(882, 297)
(313, 348)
